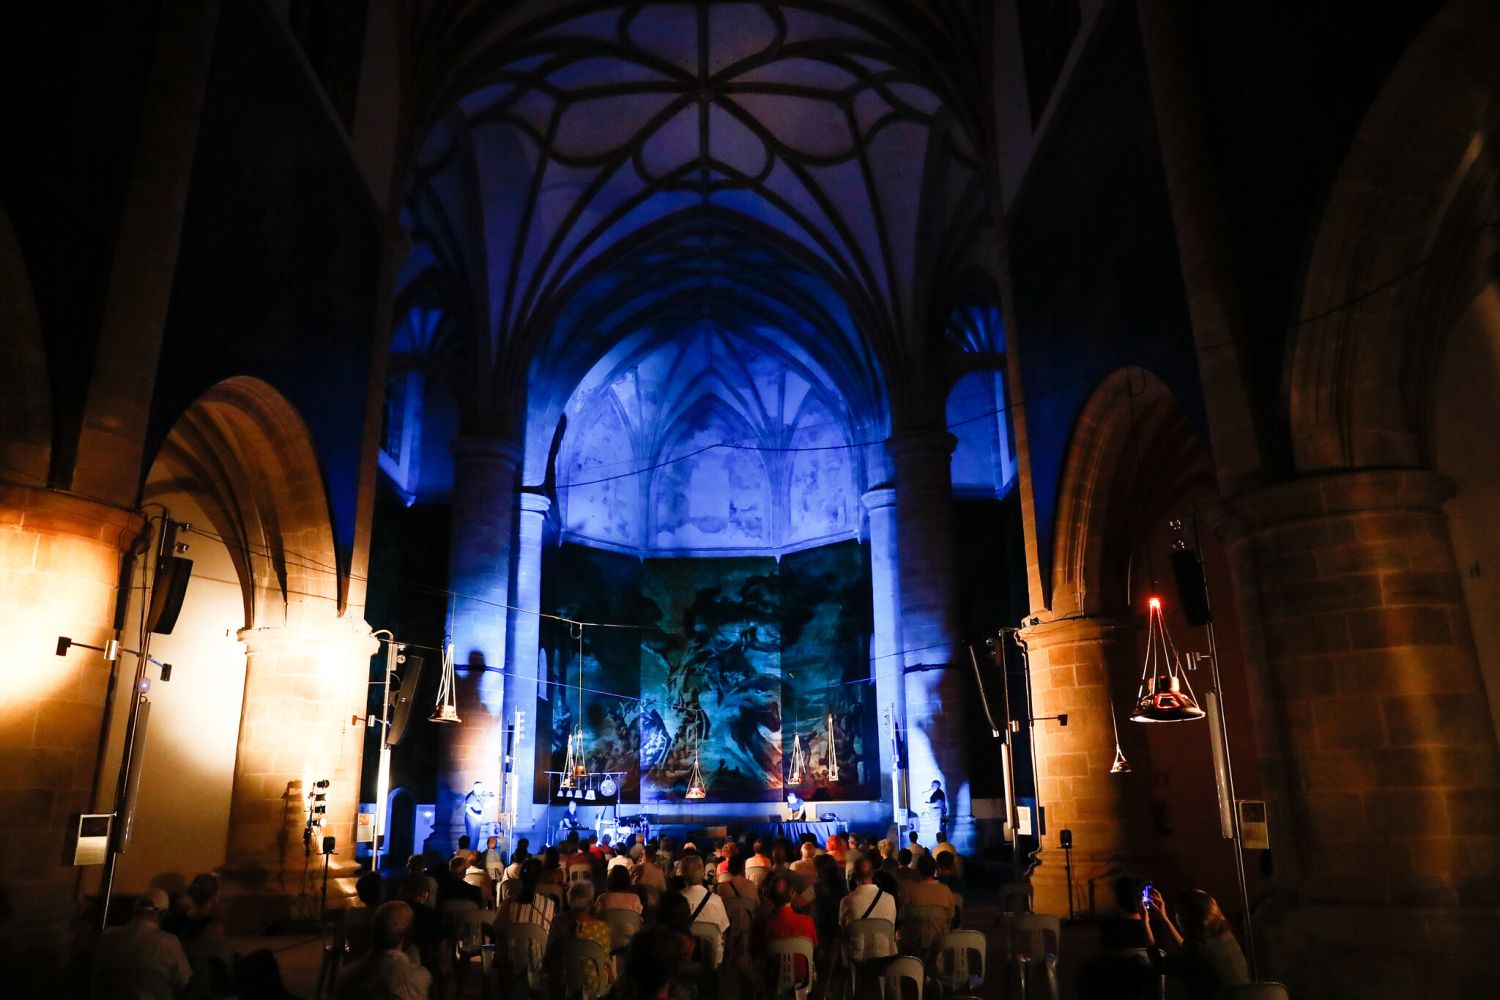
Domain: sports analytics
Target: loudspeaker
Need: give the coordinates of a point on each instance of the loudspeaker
(1065, 839)
(167, 592)
(1192, 592)
(328, 845)
(401, 700)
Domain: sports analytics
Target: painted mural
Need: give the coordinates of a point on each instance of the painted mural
(739, 663)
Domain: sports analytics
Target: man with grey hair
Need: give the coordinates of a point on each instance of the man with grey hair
(705, 906)
(141, 952)
(386, 970)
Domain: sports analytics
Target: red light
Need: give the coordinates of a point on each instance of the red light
(1155, 603)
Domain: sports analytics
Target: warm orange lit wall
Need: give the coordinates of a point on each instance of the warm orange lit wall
(59, 562)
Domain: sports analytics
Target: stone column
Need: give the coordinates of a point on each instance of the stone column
(484, 501)
(59, 570)
(885, 649)
(305, 683)
(1082, 666)
(521, 677)
(924, 546)
(1391, 768)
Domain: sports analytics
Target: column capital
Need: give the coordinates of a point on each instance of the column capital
(480, 448)
(928, 441)
(535, 503)
(1341, 493)
(879, 497)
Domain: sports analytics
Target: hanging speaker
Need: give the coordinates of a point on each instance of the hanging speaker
(402, 699)
(1192, 592)
(167, 591)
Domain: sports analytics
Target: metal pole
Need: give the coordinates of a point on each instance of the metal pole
(383, 781)
(1234, 810)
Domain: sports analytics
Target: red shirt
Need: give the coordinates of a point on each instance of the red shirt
(784, 922)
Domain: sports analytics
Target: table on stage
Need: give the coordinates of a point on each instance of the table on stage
(793, 830)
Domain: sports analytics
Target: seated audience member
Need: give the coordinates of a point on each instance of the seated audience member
(386, 970)
(142, 948)
(835, 846)
(465, 847)
(906, 872)
(648, 873)
(942, 846)
(417, 865)
(580, 922)
(887, 849)
(734, 883)
(491, 860)
(828, 892)
(947, 872)
(453, 888)
(1126, 930)
(868, 901)
(804, 866)
(357, 919)
(927, 891)
(425, 933)
(782, 922)
(652, 962)
(552, 870)
(914, 845)
(1122, 968)
(526, 905)
(200, 913)
(758, 858)
(1204, 953)
(727, 850)
(703, 906)
(618, 894)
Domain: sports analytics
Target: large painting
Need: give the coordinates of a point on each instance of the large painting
(738, 664)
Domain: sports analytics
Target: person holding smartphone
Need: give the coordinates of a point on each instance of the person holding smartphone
(1204, 953)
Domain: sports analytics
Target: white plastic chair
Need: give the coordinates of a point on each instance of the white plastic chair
(790, 982)
(757, 873)
(958, 962)
(623, 925)
(901, 971)
(709, 944)
(525, 949)
(554, 892)
(741, 911)
(869, 938)
(1015, 897)
(1034, 939)
(567, 966)
(1254, 991)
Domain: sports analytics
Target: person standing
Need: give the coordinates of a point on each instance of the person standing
(937, 809)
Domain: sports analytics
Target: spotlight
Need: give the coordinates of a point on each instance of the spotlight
(63, 642)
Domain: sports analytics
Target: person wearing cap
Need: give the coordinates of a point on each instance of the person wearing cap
(141, 953)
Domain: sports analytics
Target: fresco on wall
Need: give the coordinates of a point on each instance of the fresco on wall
(739, 657)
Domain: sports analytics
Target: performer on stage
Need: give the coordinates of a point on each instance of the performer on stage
(570, 823)
(937, 810)
(475, 804)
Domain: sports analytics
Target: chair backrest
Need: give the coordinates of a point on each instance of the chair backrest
(958, 961)
(568, 961)
(1015, 897)
(579, 873)
(741, 911)
(869, 938)
(791, 981)
(758, 873)
(524, 945)
(1253, 991)
(921, 926)
(554, 891)
(904, 973)
(469, 930)
(1034, 937)
(708, 944)
(623, 925)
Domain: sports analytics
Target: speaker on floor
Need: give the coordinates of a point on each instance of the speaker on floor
(1192, 592)
(402, 699)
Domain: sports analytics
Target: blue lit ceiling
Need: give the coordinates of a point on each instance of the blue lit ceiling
(679, 224)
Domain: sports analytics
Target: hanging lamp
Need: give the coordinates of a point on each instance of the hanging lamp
(575, 767)
(1121, 765)
(833, 753)
(799, 761)
(446, 711)
(1164, 694)
(696, 789)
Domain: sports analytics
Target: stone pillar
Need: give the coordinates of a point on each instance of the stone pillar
(521, 677)
(484, 501)
(934, 691)
(305, 683)
(1390, 762)
(1082, 666)
(59, 570)
(885, 649)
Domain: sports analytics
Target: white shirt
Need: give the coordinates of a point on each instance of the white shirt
(713, 912)
(854, 905)
(383, 972)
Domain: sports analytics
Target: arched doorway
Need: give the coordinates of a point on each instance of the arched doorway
(401, 826)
